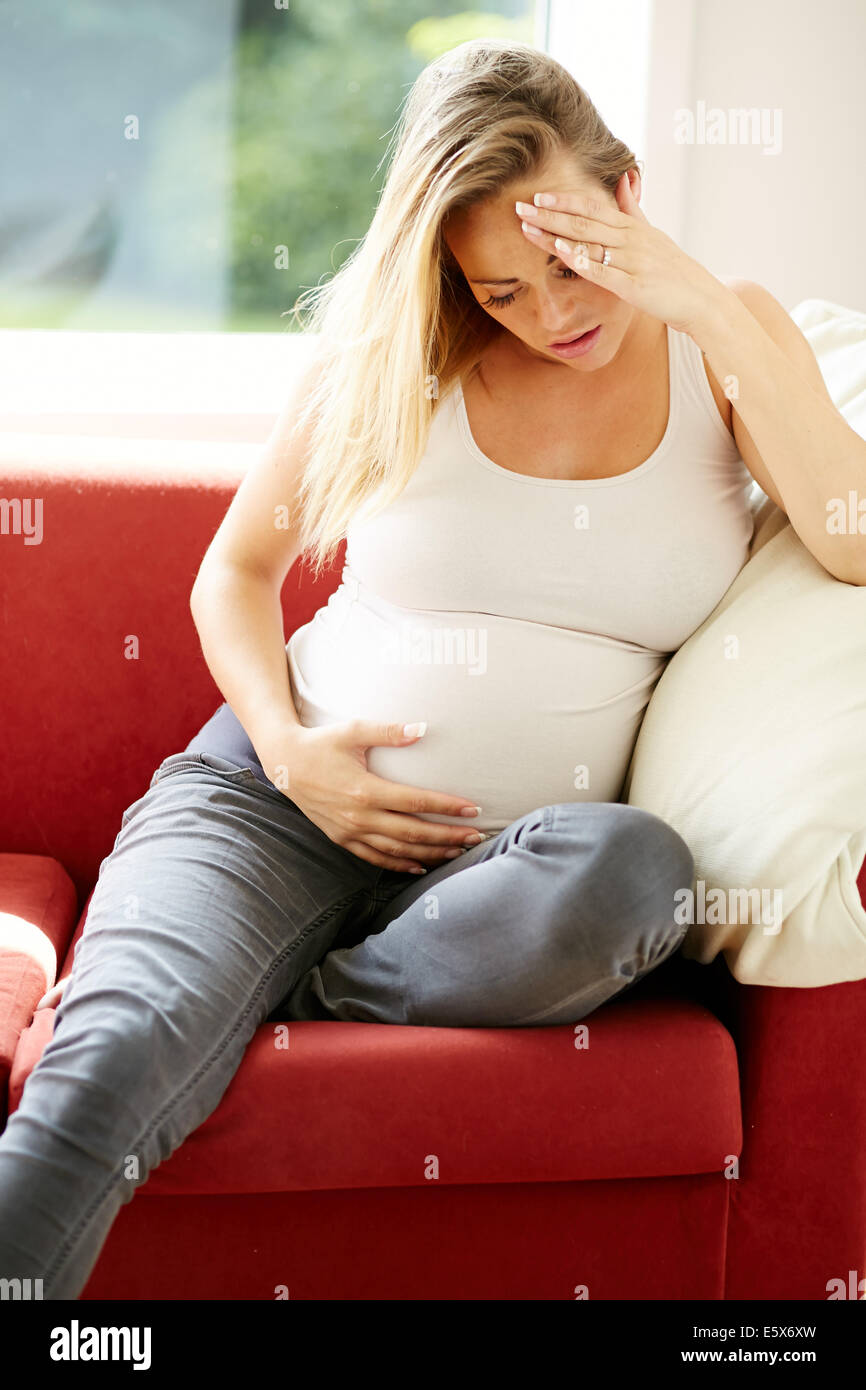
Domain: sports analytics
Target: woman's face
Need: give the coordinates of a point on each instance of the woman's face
(544, 301)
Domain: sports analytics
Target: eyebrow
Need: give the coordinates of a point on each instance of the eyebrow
(512, 281)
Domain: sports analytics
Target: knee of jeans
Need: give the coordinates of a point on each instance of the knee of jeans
(109, 1055)
(658, 866)
(122, 1053)
(657, 845)
(629, 858)
(98, 1088)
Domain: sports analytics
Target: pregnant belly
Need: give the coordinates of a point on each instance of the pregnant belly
(519, 714)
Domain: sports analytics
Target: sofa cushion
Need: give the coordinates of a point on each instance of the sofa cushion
(38, 911)
(646, 1088)
(753, 746)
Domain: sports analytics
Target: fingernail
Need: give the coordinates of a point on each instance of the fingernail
(417, 870)
(470, 810)
(414, 730)
(474, 839)
(452, 853)
(545, 200)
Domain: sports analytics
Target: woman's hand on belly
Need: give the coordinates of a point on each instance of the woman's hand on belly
(376, 819)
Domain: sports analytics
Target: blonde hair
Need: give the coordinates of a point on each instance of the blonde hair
(397, 322)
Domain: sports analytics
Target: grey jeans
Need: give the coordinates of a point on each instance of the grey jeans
(221, 905)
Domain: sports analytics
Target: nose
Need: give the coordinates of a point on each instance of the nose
(557, 312)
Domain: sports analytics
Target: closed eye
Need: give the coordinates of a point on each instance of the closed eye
(504, 300)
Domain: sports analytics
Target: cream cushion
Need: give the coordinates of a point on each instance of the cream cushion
(753, 745)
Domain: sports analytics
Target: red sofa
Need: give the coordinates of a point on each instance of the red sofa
(604, 1171)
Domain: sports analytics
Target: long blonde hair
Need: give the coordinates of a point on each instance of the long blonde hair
(397, 322)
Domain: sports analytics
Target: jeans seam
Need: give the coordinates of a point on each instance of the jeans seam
(177, 768)
(202, 766)
(56, 1267)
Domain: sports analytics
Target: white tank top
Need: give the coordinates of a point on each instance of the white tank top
(527, 620)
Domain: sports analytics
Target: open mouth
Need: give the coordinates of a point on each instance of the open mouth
(575, 337)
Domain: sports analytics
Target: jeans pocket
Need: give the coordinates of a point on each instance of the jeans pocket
(235, 772)
(186, 762)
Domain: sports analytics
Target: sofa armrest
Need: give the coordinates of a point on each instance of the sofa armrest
(38, 913)
(798, 1206)
(31, 1044)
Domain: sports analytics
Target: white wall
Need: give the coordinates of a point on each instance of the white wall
(795, 221)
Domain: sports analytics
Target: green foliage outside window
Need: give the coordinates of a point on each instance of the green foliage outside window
(313, 116)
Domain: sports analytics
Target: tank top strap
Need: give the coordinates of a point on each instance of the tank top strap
(689, 379)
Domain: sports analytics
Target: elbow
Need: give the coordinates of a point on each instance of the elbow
(203, 583)
(853, 567)
(848, 568)
(196, 593)
(841, 553)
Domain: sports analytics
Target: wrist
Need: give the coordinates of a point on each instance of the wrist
(274, 739)
(713, 312)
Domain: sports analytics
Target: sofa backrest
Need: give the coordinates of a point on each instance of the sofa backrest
(102, 670)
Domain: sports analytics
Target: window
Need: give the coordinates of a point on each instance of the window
(193, 164)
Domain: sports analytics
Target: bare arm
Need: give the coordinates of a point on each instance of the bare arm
(239, 619)
(235, 600)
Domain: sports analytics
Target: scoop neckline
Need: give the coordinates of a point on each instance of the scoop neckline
(617, 478)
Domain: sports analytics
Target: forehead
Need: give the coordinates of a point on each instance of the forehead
(494, 217)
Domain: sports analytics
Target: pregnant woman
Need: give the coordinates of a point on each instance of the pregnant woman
(519, 414)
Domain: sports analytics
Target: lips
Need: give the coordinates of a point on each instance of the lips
(561, 342)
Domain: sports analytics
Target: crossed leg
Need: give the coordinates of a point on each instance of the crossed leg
(541, 924)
